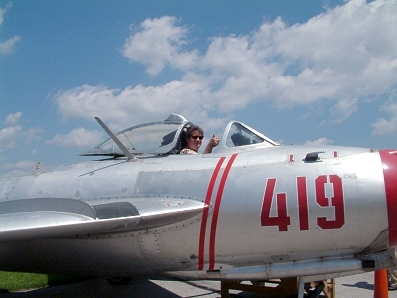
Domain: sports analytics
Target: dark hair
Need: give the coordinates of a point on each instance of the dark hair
(193, 128)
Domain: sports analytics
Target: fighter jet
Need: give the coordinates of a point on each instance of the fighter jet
(253, 210)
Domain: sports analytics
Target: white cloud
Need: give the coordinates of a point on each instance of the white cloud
(8, 46)
(8, 136)
(383, 126)
(21, 165)
(78, 137)
(320, 141)
(343, 109)
(159, 43)
(133, 105)
(13, 134)
(344, 55)
(3, 12)
(348, 52)
(32, 133)
(12, 119)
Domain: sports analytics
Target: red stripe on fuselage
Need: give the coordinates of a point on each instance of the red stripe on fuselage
(205, 213)
(216, 210)
(389, 163)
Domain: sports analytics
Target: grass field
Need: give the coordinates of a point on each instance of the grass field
(15, 281)
(12, 281)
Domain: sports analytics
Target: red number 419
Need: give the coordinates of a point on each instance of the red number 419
(282, 220)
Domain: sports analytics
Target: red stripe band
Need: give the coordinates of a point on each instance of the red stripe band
(216, 211)
(389, 163)
(205, 213)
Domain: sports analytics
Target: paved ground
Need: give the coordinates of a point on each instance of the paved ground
(347, 287)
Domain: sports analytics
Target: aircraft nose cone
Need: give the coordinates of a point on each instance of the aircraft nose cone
(389, 163)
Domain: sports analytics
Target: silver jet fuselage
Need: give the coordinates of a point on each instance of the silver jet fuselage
(200, 213)
(253, 210)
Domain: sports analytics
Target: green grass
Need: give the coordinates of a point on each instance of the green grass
(15, 281)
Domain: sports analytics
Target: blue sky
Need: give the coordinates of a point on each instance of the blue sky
(302, 71)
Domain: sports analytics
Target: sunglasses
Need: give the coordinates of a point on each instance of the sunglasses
(196, 137)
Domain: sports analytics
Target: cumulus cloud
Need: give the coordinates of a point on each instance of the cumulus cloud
(14, 133)
(158, 43)
(31, 134)
(8, 136)
(20, 165)
(78, 137)
(344, 55)
(3, 12)
(347, 52)
(132, 105)
(8, 46)
(12, 119)
(383, 126)
(320, 141)
(343, 109)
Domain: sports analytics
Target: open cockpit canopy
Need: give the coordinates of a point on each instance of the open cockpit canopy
(164, 137)
(159, 137)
